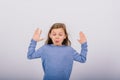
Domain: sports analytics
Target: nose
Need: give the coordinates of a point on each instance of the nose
(57, 37)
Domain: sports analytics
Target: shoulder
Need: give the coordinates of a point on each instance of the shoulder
(44, 46)
(70, 48)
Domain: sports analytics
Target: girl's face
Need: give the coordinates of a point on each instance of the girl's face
(57, 36)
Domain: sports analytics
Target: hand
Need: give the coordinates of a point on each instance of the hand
(37, 34)
(82, 38)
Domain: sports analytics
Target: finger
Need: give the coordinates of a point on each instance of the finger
(36, 31)
(40, 31)
(80, 41)
(82, 34)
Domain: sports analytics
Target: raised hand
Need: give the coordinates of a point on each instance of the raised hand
(37, 34)
(82, 38)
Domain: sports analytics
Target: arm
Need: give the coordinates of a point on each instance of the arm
(31, 50)
(82, 56)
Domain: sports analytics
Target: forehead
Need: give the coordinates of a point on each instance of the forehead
(57, 30)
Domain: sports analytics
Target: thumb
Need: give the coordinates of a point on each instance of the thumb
(40, 39)
(79, 41)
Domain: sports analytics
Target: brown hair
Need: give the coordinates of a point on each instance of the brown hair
(66, 41)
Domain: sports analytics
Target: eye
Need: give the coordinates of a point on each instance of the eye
(53, 34)
(60, 34)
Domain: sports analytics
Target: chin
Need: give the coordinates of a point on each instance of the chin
(58, 44)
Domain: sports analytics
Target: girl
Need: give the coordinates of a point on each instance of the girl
(57, 55)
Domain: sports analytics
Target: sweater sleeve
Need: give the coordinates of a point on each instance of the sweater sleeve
(32, 53)
(81, 57)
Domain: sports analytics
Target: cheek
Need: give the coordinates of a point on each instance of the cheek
(52, 38)
(62, 38)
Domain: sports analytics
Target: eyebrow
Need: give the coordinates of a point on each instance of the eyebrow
(58, 33)
(55, 32)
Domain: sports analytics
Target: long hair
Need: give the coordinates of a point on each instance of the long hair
(66, 41)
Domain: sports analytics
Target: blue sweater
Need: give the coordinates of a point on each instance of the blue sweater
(57, 61)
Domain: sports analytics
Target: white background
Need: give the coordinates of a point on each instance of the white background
(98, 19)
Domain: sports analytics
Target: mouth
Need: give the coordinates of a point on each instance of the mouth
(57, 41)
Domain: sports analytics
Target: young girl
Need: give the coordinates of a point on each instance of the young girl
(57, 55)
